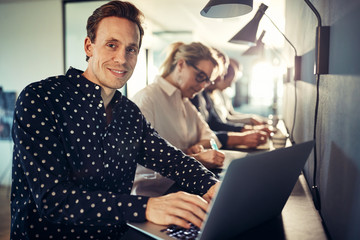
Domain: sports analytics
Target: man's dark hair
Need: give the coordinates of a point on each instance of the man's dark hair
(114, 9)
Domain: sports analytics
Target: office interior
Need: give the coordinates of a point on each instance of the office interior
(41, 38)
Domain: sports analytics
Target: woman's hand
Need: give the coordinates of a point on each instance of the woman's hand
(194, 149)
(210, 158)
(251, 139)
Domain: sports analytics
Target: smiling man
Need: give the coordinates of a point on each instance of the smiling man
(112, 55)
(77, 142)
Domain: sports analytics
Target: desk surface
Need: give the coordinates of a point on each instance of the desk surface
(301, 219)
(298, 220)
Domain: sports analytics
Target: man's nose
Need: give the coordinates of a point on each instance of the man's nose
(120, 56)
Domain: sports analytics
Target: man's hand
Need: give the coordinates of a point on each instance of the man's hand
(211, 192)
(210, 158)
(177, 208)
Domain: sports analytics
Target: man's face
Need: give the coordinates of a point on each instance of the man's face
(113, 55)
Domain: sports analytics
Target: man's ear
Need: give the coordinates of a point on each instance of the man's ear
(88, 47)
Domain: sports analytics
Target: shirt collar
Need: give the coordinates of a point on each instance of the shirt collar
(88, 88)
(167, 87)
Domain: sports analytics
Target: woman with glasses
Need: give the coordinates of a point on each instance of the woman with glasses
(186, 71)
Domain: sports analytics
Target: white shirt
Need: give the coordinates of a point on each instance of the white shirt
(175, 119)
(220, 105)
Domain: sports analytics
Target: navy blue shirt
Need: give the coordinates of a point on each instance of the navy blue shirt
(73, 172)
(220, 128)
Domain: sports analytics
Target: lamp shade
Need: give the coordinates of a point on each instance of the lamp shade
(226, 8)
(247, 35)
(258, 49)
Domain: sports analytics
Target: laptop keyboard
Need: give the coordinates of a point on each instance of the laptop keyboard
(182, 233)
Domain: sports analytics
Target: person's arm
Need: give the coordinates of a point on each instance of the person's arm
(216, 124)
(205, 132)
(160, 156)
(249, 138)
(43, 161)
(210, 158)
(223, 137)
(180, 208)
(177, 208)
(264, 128)
(214, 120)
(246, 119)
(146, 105)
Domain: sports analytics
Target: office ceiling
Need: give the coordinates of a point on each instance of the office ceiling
(175, 20)
(178, 20)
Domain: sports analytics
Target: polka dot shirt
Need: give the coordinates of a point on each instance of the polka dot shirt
(73, 172)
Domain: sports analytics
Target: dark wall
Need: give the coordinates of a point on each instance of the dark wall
(338, 133)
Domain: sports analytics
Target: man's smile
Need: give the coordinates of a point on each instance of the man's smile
(118, 72)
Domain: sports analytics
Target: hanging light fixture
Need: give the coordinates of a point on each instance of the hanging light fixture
(247, 35)
(226, 8)
(258, 49)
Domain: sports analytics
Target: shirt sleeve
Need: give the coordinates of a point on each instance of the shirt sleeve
(41, 159)
(223, 137)
(159, 155)
(205, 132)
(146, 104)
(216, 124)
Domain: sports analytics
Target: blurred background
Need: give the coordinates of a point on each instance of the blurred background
(41, 38)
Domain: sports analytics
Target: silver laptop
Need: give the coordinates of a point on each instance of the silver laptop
(254, 189)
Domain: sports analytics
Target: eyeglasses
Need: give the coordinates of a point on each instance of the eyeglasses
(200, 76)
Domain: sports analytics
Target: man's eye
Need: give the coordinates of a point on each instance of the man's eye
(132, 50)
(111, 45)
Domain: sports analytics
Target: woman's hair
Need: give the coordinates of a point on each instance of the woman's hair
(192, 53)
(236, 65)
(223, 61)
(232, 70)
(114, 9)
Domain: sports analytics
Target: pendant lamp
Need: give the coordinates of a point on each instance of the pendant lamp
(226, 8)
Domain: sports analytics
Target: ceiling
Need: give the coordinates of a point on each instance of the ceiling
(181, 20)
(175, 20)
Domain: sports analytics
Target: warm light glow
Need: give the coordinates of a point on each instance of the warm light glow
(265, 84)
(262, 84)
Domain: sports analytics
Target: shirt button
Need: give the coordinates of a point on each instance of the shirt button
(100, 105)
(97, 87)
